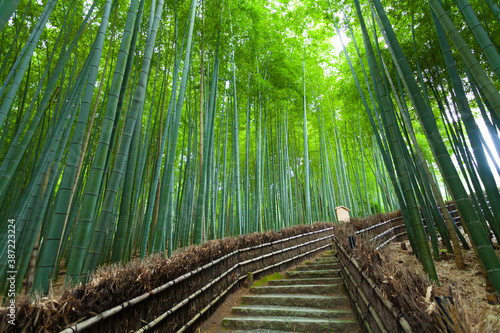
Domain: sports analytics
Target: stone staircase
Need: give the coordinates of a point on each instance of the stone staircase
(310, 298)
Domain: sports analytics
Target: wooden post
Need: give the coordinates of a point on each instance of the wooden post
(250, 278)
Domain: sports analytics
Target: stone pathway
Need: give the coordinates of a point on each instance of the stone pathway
(310, 298)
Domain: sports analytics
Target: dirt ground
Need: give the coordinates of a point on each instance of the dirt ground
(213, 323)
(469, 283)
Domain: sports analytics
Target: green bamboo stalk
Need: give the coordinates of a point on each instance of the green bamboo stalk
(482, 80)
(168, 177)
(306, 151)
(257, 227)
(423, 163)
(150, 227)
(426, 117)
(52, 150)
(21, 24)
(7, 8)
(494, 10)
(401, 169)
(481, 36)
(42, 152)
(381, 144)
(239, 217)
(19, 145)
(89, 205)
(31, 45)
(66, 189)
(472, 130)
(207, 146)
(488, 122)
(248, 204)
(468, 166)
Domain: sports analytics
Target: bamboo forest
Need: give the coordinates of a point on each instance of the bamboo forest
(142, 127)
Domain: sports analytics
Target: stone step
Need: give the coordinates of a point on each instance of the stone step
(290, 324)
(270, 310)
(327, 258)
(317, 267)
(317, 281)
(302, 301)
(327, 273)
(310, 289)
(311, 301)
(322, 262)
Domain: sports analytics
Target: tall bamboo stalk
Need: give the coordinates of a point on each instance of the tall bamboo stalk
(426, 117)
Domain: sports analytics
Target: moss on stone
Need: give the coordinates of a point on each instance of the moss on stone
(264, 280)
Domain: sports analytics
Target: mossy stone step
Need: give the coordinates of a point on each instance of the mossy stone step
(310, 301)
(317, 267)
(326, 273)
(270, 310)
(312, 289)
(327, 259)
(316, 281)
(322, 262)
(290, 324)
(303, 301)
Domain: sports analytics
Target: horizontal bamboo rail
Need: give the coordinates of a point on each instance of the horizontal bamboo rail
(377, 313)
(243, 267)
(375, 310)
(393, 231)
(457, 219)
